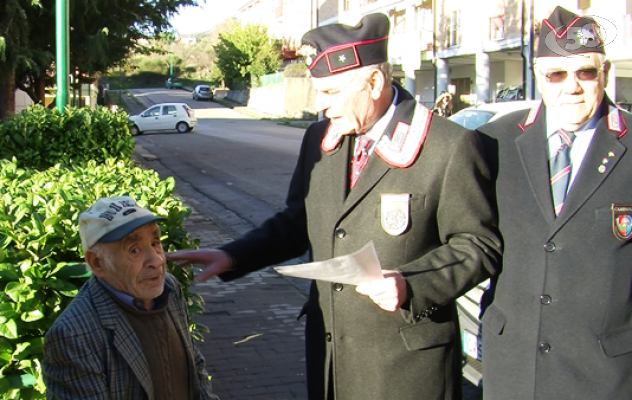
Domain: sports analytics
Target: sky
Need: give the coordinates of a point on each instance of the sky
(205, 16)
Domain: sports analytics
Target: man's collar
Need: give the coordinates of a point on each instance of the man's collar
(160, 302)
(376, 131)
(553, 125)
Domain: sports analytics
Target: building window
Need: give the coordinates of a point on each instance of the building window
(453, 29)
(496, 28)
(346, 5)
(279, 9)
(496, 19)
(398, 21)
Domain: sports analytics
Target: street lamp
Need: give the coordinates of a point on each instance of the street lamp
(61, 54)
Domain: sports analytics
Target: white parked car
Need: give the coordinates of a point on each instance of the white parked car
(475, 116)
(164, 117)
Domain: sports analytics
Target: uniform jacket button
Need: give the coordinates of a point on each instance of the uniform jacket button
(340, 233)
(549, 247)
(328, 337)
(545, 347)
(338, 287)
(545, 299)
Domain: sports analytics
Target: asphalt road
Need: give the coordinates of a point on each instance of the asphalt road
(240, 163)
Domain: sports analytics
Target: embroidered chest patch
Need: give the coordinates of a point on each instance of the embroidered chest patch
(622, 221)
(395, 210)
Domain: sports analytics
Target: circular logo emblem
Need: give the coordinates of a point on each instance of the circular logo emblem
(395, 219)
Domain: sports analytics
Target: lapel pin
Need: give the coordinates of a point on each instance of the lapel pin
(601, 169)
(605, 161)
(611, 154)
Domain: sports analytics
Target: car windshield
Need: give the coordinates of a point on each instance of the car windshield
(204, 88)
(472, 119)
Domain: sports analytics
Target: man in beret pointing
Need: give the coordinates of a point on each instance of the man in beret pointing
(378, 168)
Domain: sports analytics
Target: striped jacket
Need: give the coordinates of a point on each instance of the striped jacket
(91, 351)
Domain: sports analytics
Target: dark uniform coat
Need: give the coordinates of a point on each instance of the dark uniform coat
(560, 325)
(448, 244)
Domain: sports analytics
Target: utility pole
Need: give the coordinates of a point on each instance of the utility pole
(62, 53)
(527, 49)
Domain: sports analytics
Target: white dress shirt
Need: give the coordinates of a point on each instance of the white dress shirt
(583, 137)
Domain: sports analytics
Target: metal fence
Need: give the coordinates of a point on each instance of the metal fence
(272, 79)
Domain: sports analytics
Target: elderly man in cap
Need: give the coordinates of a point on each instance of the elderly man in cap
(125, 335)
(560, 324)
(379, 168)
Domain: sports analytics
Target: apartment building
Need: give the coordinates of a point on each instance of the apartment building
(287, 20)
(486, 46)
(476, 49)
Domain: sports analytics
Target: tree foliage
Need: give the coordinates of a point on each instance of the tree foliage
(15, 49)
(103, 33)
(244, 54)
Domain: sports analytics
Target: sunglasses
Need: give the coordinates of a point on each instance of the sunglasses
(584, 74)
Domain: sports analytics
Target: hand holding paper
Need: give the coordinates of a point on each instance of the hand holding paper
(353, 269)
(389, 293)
(387, 289)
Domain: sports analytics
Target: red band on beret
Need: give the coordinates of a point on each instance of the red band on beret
(342, 47)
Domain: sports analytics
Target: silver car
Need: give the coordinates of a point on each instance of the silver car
(203, 92)
(165, 116)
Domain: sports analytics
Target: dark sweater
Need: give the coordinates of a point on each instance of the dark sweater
(164, 350)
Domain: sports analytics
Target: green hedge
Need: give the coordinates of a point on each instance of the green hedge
(53, 166)
(40, 138)
(41, 256)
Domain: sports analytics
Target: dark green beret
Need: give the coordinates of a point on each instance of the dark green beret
(341, 48)
(565, 33)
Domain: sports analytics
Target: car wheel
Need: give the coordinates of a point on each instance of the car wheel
(182, 127)
(134, 131)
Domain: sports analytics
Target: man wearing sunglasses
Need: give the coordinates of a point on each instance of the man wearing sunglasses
(560, 321)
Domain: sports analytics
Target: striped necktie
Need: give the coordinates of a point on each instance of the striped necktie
(360, 158)
(560, 169)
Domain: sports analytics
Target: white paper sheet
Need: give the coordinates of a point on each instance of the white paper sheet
(352, 269)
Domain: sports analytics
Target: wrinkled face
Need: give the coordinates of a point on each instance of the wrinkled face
(573, 97)
(347, 102)
(135, 265)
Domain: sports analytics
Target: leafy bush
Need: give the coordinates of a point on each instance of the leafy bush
(41, 256)
(40, 138)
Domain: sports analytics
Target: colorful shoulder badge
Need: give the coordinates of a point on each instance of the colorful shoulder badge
(622, 221)
(401, 150)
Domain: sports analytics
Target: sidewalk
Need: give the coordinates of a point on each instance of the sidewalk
(255, 348)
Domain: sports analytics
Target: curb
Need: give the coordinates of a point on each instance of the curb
(142, 152)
